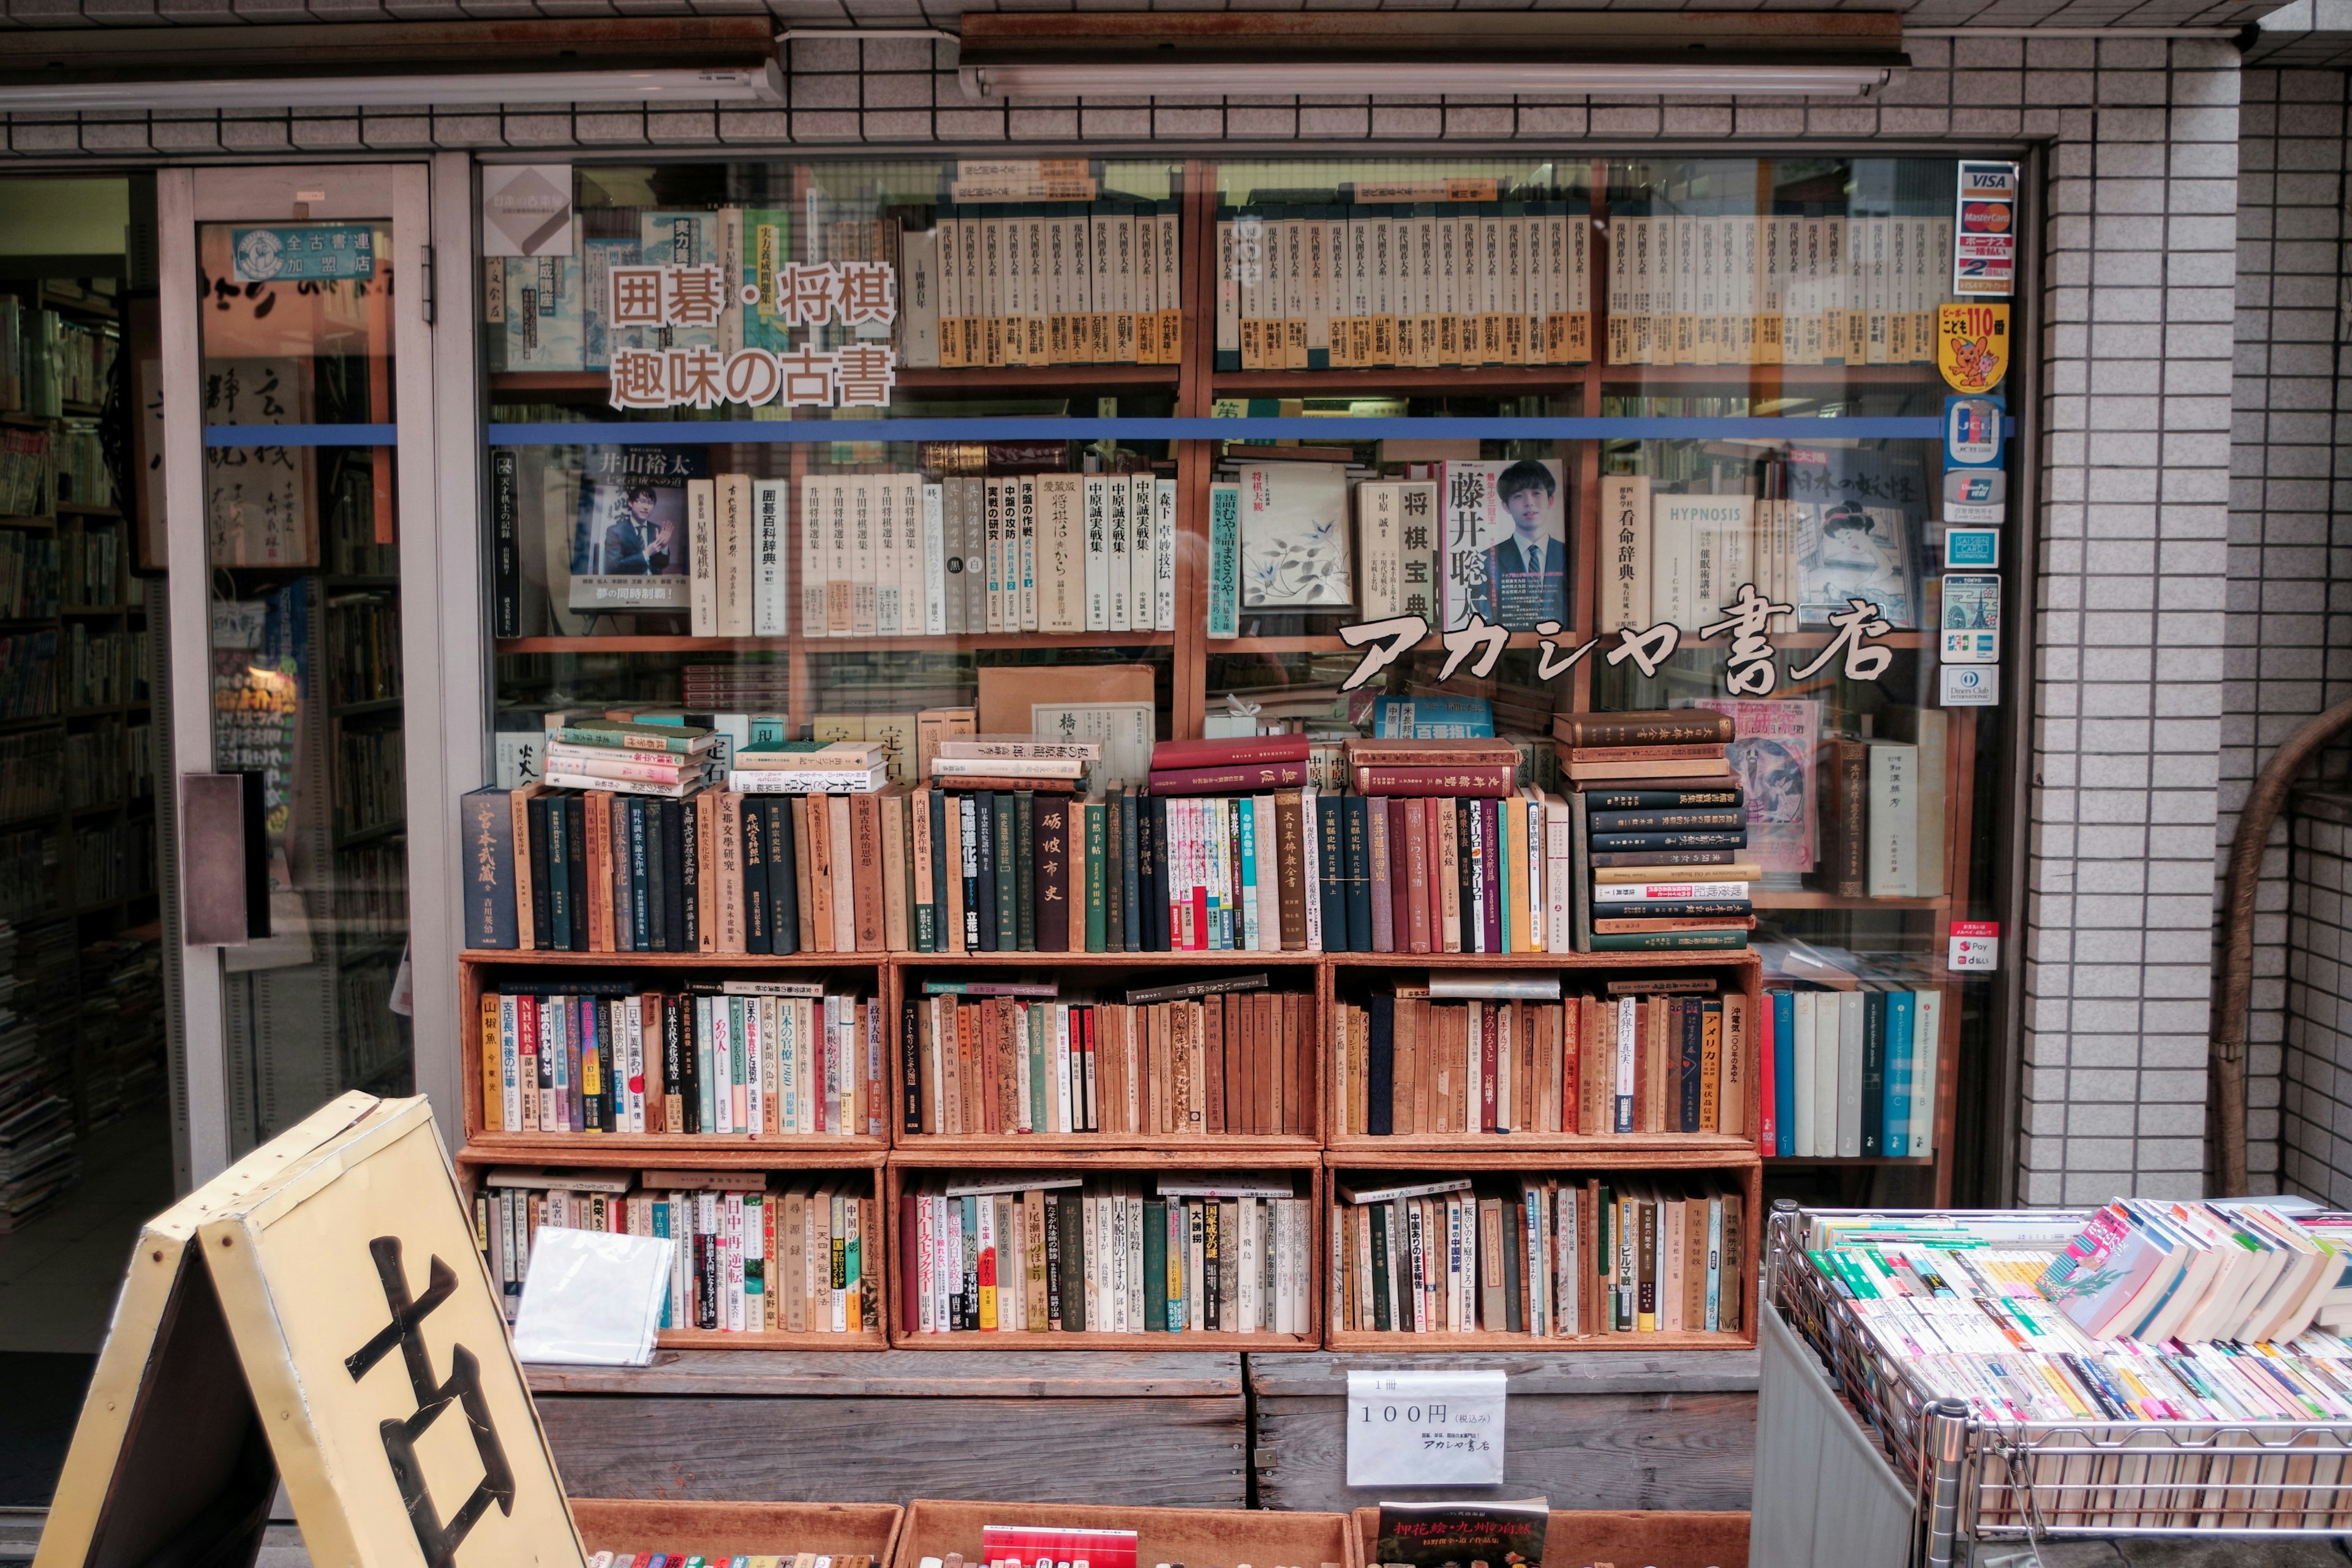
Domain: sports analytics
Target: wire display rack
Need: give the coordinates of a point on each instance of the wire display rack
(1976, 1479)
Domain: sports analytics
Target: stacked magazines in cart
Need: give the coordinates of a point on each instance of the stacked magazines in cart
(2151, 1365)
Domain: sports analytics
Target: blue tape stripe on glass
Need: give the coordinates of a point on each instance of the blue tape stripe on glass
(317, 435)
(753, 432)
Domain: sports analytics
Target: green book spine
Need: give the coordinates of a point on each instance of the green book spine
(1041, 1016)
(1380, 1267)
(1155, 1265)
(1024, 870)
(1009, 866)
(1097, 907)
(1670, 942)
(1073, 1263)
(1224, 560)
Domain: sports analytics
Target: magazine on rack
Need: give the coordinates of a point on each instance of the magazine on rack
(629, 549)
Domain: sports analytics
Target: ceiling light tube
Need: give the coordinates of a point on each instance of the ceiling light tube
(761, 84)
(1534, 79)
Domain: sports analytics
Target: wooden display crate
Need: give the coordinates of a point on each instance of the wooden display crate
(1108, 974)
(723, 1530)
(478, 970)
(1670, 1429)
(1587, 1538)
(1352, 982)
(1197, 1154)
(1499, 1156)
(625, 1154)
(1198, 1537)
(705, 1425)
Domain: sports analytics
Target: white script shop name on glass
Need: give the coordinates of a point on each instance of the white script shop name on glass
(1749, 669)
(661, 298)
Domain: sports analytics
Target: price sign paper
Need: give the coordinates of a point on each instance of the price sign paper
(1425, 1429)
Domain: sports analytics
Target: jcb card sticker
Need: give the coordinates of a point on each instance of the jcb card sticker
(1984, 236)
(1425, 1429)
(1972, 431)
(1971, 685)
(1976, 947)
(1976, 495)
(1971, 619)
(1972, 345)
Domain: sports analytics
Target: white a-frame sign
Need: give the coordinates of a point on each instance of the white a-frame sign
(320, 1312)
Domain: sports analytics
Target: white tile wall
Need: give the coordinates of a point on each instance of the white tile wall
(2141, 236)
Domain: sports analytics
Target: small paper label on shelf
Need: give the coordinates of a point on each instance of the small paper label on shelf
(1976, 947)
(1425, 1429)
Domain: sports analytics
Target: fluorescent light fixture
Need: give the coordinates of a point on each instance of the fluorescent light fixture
(313, 65)
(1573, 54)
(764, 84)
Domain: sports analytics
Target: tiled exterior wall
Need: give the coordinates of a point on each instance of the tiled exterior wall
(2290, 623)
(2313, 1141)
(2140, 236)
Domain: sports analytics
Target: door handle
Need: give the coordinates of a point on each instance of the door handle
(224, 861)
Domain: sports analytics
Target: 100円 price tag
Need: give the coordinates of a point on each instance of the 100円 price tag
(1425, 1429)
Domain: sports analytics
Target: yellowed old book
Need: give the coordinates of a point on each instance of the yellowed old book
(325, 1291)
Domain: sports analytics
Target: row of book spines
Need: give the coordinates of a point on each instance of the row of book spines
(1104, 1259)
(1232, 1063)
(1547, 1259)
(1440, 874)
(1590, 1066)
(1871, 1088)
(726, 1560)
(673, 1062)
(737, 1256)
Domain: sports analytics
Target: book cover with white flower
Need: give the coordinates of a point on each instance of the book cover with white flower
(1295, 537)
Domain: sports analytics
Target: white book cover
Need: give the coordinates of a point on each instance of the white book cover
(1719, 554)
(1142, 550)
(935, 559)
(1675, 525)
(1022, 498)
(1627, 546)
(840, 569)
(1061, 560)
(813, 558)
(1229, 291)
(1379, 556)
(701, 536)
(1805, 1134)
(1893, 868)
(989, 492)
(951, 274)
(866, 555)
(918, 299)
(1097, 522)
(1147, 263)
(1115, 553)
(1848, 1075)
(911, 597)
(886, 554)
(772, 536)
(1294, 536)
(737, 557)
(1163, 556)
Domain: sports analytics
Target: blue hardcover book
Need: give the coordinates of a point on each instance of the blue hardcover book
(641, 929)
(661, 1227)
(1379, 1067)
(776, 815)
(1130, 875)
(1249, 918)
(1330, 872)
(935, 803)
(1784, 1072)
(1900, 1016)
(1355, 845)
(1155, 895)
(559, 870)
(1874, 1074)
(1432, 719)
(983, 815)
(487, 815)
(1606, 842)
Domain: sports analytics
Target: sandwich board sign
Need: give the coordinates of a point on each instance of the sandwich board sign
(317, 1312)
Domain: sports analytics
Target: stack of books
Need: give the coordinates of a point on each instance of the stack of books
(804, 1258)
(615, 757)
(766, 1057)
(1198, 1058)
(1544, 1257)
(1013, 763)
(1483, 1055)
(1039, 1253)
(1657, 822)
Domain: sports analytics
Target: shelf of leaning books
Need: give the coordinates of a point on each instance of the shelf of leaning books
(1109, 1055)
(734, 1066)
(1550, 1057)
(748, 1237)
(950, 1212)
(1679, 1229)
(952, 642)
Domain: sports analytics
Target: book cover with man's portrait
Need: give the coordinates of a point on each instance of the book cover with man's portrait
(629, 541)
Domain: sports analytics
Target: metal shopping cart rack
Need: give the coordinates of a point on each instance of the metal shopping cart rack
(1978, 1490)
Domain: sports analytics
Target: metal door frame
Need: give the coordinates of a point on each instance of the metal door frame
(443, 651)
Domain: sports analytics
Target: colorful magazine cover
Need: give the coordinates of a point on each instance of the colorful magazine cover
(629, 541)
(1504, 555)
(1773, 757)
(1433, 1534)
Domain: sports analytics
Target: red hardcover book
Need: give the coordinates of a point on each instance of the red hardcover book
(1639, 754)
(1226, 753)
(1489, 781)
(1400, 815)
(1237, 778)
